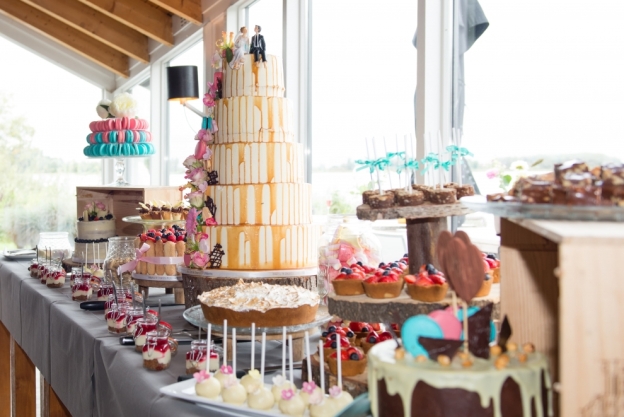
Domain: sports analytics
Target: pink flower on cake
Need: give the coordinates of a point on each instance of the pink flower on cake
(202, 186)
(287, 394)
(335, 391)
(492, 173)
(88, 207)
(211, 222)
(204, 245)
(226, 369)
(208, 100)
(201, 376)
(100, 206)
(208, 154)
(191, 220)
(196, 199)
(231, 381)
(279, 380)
(316, 397)
(309, 387)
(198, 175)
(199, 259)
(189, 161)
(203, 135)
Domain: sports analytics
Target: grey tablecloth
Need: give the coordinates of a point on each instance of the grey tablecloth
(85, 365)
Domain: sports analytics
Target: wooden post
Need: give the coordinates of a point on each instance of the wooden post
(57, 408)
(5, 372)
(24, 384)
(422, 235)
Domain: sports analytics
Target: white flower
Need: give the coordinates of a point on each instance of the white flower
(189, 161)
(519, 165)
(124, 105)
(204, 246)
(102, 108)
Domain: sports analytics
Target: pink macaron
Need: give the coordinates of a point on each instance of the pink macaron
(451, 327)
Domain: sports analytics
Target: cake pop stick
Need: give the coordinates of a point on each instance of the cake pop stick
(368, 157)
(322, 366)
(284, 352)
(377, 168)
(465, 305)
(209, 335)
(386, 152)
(225, 342)
(263, 349)
(307, 345)
(339, 363)
(234, 351)
(253, 344)
(290, 361)
(199, 333)
(454, 302)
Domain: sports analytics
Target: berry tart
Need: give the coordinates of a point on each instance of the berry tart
(349, 281)
(353, 362)
(330, 346)
(487, 281)
(167, 242)
(494, 264)
(373, 338)
(332, 332)
(429, 286)
(361, 329)
(386, 282)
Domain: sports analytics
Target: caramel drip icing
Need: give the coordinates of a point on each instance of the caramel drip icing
(254, 119)
(251, 80)
(262, 204)
(266, 247)
(241, 163)
(401, 377)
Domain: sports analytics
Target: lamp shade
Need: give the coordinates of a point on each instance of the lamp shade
(182, 83)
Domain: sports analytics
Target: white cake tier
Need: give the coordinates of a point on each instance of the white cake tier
(266, 247)
(94, 252)
(251, 80)
(258, 163)
(100, 229)
(254, 119)
(262, 204)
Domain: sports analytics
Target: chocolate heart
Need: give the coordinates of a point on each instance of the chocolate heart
(464, 268)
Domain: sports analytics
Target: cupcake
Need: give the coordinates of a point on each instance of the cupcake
(166, 211)
(176, 211)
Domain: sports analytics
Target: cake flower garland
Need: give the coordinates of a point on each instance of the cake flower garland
(200, 175)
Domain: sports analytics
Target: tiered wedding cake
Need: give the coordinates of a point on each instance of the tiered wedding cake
(263, 204)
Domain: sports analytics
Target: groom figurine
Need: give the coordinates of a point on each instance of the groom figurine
(258, 47)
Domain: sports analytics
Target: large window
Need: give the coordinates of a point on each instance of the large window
(543, 82)
(268, 15)
(45, 113)
(183, 123)
(139, 172)
(363, 83)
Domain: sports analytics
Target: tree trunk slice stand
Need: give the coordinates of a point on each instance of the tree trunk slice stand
(197, 281)
(424, 224)
(397, 310)
(145, 282)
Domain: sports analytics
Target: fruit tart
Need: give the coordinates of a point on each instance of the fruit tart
(373, 338)
(349, 282)
(333, 332)
(429, 286)
(384, 283)
(330, 346)
(487, 281)
(361, 329)
(353, 362)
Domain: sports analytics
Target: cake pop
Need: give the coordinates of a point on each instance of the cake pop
(291, 402)
(225, 371)
(339, 398)
(261, 398)
(233, 392)
(251, 381)
(309, 387)
(206, 386)
(320, 406)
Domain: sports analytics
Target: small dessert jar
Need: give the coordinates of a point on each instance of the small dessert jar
(112, 300)
(81, 290)
(104, 291)
(134, 314)
(117, 318)
(56, 278)
(34, 268)
(143, 326)
(157, 351)
(197, 358)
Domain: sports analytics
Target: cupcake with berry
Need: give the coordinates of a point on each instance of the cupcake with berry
(349, 282)
(373, 338)
(429, 286)
(494, 264)
(487, 281)
(330, 346)
(353, 361)
(333, 332)
(361, 328)
(386, 282)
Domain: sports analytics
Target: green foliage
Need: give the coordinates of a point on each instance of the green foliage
(229, 55)
(35, 190)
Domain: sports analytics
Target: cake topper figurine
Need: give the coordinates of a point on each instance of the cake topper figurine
(241, 47)
(258, 46)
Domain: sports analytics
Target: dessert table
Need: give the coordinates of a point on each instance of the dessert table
(86, 367)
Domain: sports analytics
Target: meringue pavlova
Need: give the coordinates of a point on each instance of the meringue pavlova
(264, 304)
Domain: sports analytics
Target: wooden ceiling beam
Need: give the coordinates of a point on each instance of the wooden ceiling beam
(140, 15)
(187, 9)
(67, 36)
(97, 25)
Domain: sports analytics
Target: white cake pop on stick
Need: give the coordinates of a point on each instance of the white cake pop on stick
(261, 398)
(309, 387)
(233, 392)
(291, 403)
(225, 371)
(337, 396)
(320, 406)
(251, 381)
(280, 382)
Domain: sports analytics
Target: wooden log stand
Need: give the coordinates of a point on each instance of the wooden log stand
(175, 287)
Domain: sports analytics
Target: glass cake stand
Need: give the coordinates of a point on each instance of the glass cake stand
(544, 211)
(195, 316)
(120, 168)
